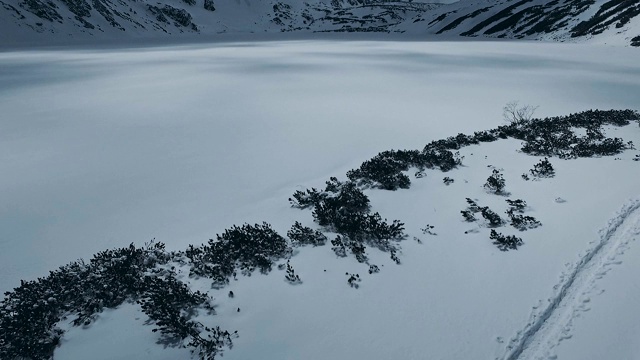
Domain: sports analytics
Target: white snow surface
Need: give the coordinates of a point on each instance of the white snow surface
(554, 323)
(103, 147)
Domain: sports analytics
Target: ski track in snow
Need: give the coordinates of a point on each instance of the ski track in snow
(549, 326)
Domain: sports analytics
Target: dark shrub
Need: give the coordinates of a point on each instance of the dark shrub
(29, 313)
(385, 169)
(522, 222)
(209, 5)
(543, 169)
(468, 215)
(291, 276)
(353, 280)
(517, 205)
(374, 269)
(248, 247)
(339, 246)
(495, 183)
(301, 235)
(493, 219)
(505, 243)
(343, 208)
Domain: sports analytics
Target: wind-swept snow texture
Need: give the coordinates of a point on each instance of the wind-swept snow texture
(607, 322)
(553, 324)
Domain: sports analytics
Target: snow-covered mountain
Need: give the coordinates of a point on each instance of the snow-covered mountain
(106, 18)
(612, 21)
(540, 19)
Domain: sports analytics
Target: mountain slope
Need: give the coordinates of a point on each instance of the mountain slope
(106, 18)
(612, 21)
(538, 19)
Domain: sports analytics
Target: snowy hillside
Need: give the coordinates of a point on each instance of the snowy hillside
(63, 21)
(514, 237)
(107, 19)
(612, 21)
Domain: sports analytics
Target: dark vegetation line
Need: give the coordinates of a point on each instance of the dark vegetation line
(539, 19)
(555, 19)
(541, 137)
(613, 11)
(148, 275)
(454, 24)
(521, 19)
(29, 313)
(506, 12)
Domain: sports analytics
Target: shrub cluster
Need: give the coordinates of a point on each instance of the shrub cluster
(515, 214)
(542, 137)
(492, 218)
(517, 220)
(29, 313)
(495, 183)
(385, 170)
(517, 205)
(291, 276)
(341, 244)
(325, 203)
(353, 280)
(428, 230)
(522, 222)
(543, 169)
(505, 243)
(374, 269)
(556, 137)
(344, 209)
(302, 235)
(170, 303)
(468, 215)
(246, 247)
(472, 209)
(209, 5)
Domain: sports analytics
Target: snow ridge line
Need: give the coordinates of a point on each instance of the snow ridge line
(525, 337)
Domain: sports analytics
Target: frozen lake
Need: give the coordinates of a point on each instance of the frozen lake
(101, 148)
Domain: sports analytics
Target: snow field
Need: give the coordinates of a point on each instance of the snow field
(103, 148)
(573, 294)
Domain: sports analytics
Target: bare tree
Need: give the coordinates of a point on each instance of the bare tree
(515, 114)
